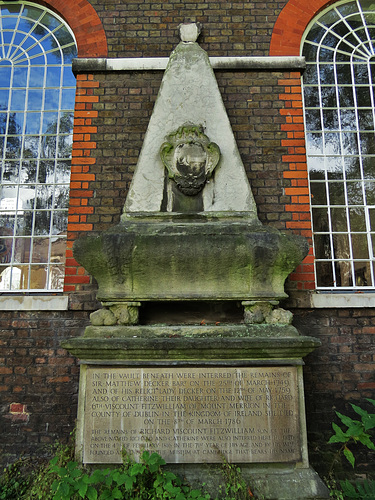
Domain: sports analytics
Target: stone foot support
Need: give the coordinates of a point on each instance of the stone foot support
(116, 313)
(261, 311)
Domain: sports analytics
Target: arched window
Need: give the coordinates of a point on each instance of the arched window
(338, 90)
(37, 92)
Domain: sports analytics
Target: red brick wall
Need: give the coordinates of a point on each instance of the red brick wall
(338, 373)
(38, 380)
(291, 24)
(303, 278)
(85, 23)
(82, 173)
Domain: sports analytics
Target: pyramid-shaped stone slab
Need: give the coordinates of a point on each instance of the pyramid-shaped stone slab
(189, 94)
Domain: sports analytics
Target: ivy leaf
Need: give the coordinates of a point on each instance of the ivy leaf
(339, 436)
(116, 493)
(82, 489)
(129, 482)
(91, 493)
(365, 439)
(349, 456)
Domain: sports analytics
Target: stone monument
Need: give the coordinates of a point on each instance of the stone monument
(190, 234)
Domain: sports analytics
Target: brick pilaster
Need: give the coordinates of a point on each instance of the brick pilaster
(81, 176)
(296, 175)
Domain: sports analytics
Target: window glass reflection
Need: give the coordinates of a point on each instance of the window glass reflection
(343, 74)
(67, 99)
(340, 143)
(318, 193)
(346, 98)
(322, 246)
(336, 193)
(354, 193)
(366, 119)
(330, 119)
(33, 123)
(29, 171)
(328, 97)
(12, 147)
(53, 77)
(324, 274)
(36, 76)
(369, 167)
(362, 274)
(18, 100)
(311, 95)
(352, 168)
(320, 219)
(33, 133)
(35, 100)
(332, 144)
(363, 97)
(50, 122)
(327, 73)
(339, 221)
(349, 143)
(68, 78)
(370, 193)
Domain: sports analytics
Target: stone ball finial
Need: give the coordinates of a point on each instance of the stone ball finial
(189, 32)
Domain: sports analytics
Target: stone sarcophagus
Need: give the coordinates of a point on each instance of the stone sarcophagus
(189, 257)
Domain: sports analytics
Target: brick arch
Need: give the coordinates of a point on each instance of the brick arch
(85, 24)
(291, 24)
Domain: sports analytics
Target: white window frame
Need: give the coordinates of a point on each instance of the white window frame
(320, 159)
(31, 54)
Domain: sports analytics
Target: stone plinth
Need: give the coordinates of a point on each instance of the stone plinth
(197, 394)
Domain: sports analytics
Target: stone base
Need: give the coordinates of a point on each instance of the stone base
(198, 394)
(269, 482)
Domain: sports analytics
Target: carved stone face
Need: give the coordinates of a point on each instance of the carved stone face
(190, 158)
(190, 163)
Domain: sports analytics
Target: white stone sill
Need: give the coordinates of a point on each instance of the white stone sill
(319, 300)
(34, 303)
(341, 300)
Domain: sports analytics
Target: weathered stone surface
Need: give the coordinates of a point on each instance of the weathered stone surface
(172, 348)
(189, 232)
(194, 331)
(189, 93)
(193, 415)
(103, 317)
(190, 258)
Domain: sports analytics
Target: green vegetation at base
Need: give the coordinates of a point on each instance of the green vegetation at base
(357, 432)
(62, 478)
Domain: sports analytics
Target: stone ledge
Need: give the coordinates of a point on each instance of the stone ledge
(327, 300)
(190, 349)
(34, 303)
(92, 65)
(347, 300)
(192, 331)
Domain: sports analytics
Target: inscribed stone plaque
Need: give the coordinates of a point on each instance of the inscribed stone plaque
(192, 415)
